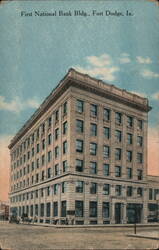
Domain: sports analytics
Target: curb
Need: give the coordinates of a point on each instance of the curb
(142, 236)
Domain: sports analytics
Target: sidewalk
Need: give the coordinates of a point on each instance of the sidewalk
(93, 226)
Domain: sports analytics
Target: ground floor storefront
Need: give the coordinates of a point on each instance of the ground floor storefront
(94, 213)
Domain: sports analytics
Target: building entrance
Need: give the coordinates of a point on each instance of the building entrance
(118, 213)
(134, 213)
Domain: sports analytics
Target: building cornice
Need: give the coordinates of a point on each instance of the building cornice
(87, 83)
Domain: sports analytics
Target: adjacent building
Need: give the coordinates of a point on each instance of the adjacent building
(82, 156)
(4, 210)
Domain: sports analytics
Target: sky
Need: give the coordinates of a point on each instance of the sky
(37, 51)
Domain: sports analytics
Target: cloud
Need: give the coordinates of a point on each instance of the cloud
(17, 105)
(101, 66)
(100, 61)
(124, 58)
(149, 74)
(103, 73)
(4, 166)
(143, 60)
(155, 96)
(153, 149)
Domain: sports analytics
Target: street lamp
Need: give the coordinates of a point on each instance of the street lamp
(136, 210)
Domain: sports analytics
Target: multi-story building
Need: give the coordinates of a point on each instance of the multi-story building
(82, 156)
(4, 210)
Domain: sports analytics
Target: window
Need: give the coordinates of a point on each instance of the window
(129, 191)
(106, 169)
(117, 171)
(118, 154)
(106, 189)
(93, 188)
(43, 128)
(106, 114)
(118, 118)
(32, 179)
(56, 152)
(65, 108)
(57, 172)
(139, 158)
(106, 132)
(65, 166)
(93, 167)
(48, 172)
(106, 151)
(79, 106)
(31, 210)
(43, 144)
(79, 165)
(139, 191)
(37, 163)
(28, 142)
(37, 148)
(64, 147)
(55, 189)
(64, 187)
(79, 186)
(65, 127)
(32, 138)
(118, 135)
(129, 121)
(56, 133)
(150, 194)
(37, 178)
(49, 139)
(63, 209)
(129, 173)
(48, 191)
(79, 208)
(36, 193)
(56, 115)
(49, 156)
(79, 126)
(32, 152)
(139, 174)
(37, 133)
(48, 209)
(105, 209)
(79, 146)
(42, 160)
(24, 158)
(118, 190)
(93, 209)
(140, 124)
(93, 110)
(28, 169)
(129, 156)
(93, 148)
(93, 129)
(36, 209)
(49, 122)
(24, 171)
(140, 141)
(55, 208)
(42, 175)
(129, 139)
(156, 193)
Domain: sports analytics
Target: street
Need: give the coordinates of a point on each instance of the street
(13, 236)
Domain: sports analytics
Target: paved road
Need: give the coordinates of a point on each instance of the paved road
(21, 237)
